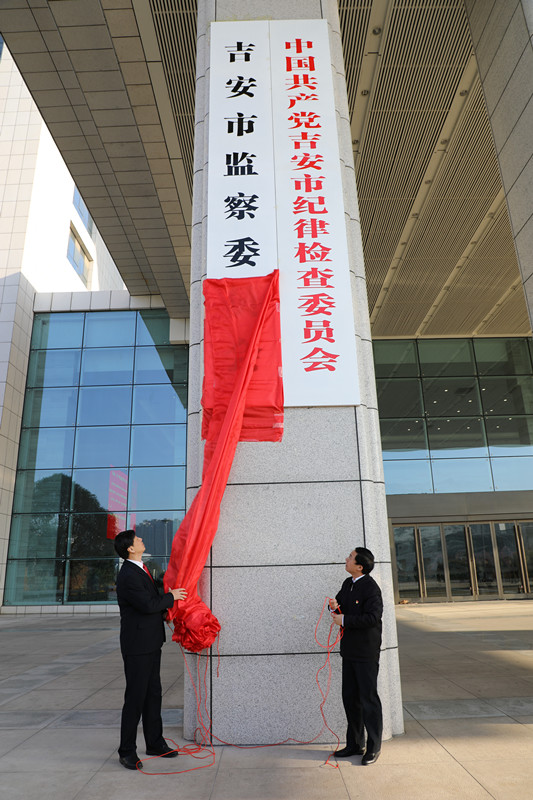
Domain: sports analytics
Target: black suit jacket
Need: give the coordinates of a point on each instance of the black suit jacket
(362, 606)
(142, 608)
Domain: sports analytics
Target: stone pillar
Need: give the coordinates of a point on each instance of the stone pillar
(502, 37)
(293, 510)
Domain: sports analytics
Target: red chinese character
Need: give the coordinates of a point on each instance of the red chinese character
(316, 278)
(304, 141)
(312, 252)
(320, 303)
(308, 184)
(303, 96)
(304, 119)
(309, 205)
(305, 161)
(299, 45)
(318, 329)
(311, 227)
(299, 64)
(320, 359)
(300, 81)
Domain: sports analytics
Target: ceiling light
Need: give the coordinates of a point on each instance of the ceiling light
(376, 31)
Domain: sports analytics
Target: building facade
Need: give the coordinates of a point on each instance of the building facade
(432, 108)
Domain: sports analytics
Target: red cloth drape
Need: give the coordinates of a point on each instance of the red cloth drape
(242, 399)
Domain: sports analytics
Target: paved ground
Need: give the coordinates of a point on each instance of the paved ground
(467, 678)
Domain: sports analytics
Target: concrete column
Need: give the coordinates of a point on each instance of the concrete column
(292, 511)
(502, 36)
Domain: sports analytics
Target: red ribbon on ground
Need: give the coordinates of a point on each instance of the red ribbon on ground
(243, 401)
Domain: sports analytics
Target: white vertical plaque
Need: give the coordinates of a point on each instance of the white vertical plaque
(275, 196)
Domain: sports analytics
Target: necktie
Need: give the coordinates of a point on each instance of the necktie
(145, 568)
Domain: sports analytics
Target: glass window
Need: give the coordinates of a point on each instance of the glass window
(526, 529)
(162, 403)
(404, 545)
(408, 477)
(502, 356)
(38, 536)
(399, 398)
(404, 438)
(97, 490)
(507, 395)
(158, 445)
(153, 327)
(457, 438)
(462, 475)
(83, 211)
(46, 408)
(91, 535)
(508, 555)
(42, 490)
(460, 582)
(433, 559)
(510, 436)
(440, 357)
(451, 396)
(92, 581)
(81, 460)
(160, 487)
(98, 447)
(395, 358)
(37, 581)
(161, 365)
(103, 328)
(52, 331)
(54, 368)
(110, 365)
(104, 405)
(512, 474)
(484, 558)
(157, 529)
(79, 257)
(45, 448)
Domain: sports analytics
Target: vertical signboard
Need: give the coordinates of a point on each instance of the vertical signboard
(275, 198)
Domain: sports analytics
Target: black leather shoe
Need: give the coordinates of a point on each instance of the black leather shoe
(163, 753)
(370, 758)
(131, 762)
(349, 751)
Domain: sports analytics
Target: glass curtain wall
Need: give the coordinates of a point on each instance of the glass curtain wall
(456, 415)
(102, 448)
(453, 561)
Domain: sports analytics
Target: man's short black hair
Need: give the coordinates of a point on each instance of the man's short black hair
(365, 558)
(122, 541)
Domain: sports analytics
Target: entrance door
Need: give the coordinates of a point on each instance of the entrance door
(510, 568)
(458, 560)
(483, 551)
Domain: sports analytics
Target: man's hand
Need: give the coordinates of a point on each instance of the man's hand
(333, 604)
(337, 619)
(178, 594)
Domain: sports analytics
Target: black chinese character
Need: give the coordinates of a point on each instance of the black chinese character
(241, 251)
(240, 164)
(240, 52)
(240, 205)
(239, 87)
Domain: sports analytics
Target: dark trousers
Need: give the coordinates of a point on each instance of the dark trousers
(142, 698)
(362, 704)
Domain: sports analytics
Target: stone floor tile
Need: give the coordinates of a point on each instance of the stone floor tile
(473, 739)
(47, 700)
(504, 782)
(438, 781)
(26, 785)
(279, 784)
(54, 751)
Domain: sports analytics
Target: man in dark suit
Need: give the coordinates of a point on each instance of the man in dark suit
(358, 609)
(142, 634)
